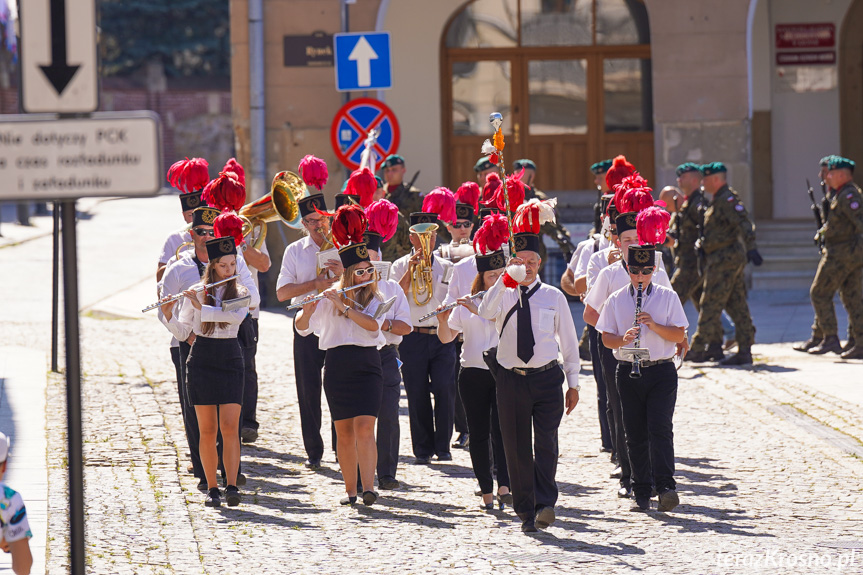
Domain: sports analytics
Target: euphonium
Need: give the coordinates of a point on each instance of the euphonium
(181, 247)
(279, 204)
(421, 277)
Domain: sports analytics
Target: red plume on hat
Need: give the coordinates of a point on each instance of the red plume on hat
(314, 171)
(362, 184)
(651, 225)
(468, 193)
(233, 165)
(383, 216)
(225, 192)
(492, 234)
(189, 175)
(619, 170)
(229, 224)
(530, 216)
(514, 191)
(349, 225)
(492, 183)
(440, 201)
(636, 199)
(626, 184)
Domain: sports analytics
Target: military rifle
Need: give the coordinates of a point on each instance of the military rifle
(819, 218)
(414, 179)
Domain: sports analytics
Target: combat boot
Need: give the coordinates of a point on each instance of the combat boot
(855, 352)
(695, 356)
(714, 352)
(850, 344)
(807, 345)
(742, 357)
(830, 343)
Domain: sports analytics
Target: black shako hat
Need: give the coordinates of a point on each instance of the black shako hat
(373, 240)
(204, 216)
(191, 200)
(218, 247)
(353, 254)
(626, 222)
(463, 211)
(309, 203)
(493, 261)
(526, 241)
(423, 218)
(641, 256)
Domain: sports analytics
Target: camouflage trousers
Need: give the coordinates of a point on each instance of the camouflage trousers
(687, 282)
(839, 270)
(723, 289)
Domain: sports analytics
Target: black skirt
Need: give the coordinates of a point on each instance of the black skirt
(214, 371)
(353, 381)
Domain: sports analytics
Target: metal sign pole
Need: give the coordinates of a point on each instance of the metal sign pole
(55, 289)
(73, 389)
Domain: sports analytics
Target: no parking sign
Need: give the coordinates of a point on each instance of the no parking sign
(351, 127)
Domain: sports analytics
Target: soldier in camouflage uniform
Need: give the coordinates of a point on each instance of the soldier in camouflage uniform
(841, 265)
(555, 230)
(408, 201)
(725, 222)
(685, 228)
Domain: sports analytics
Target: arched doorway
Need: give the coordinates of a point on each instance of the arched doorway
(571, 77)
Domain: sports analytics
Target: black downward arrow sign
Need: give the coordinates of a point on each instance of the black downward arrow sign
(59, 72)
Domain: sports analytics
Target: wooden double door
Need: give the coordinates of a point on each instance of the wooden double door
(564, 108)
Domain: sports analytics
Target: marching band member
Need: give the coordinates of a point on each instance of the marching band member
(190, 177)
(428, 365)
(534, 324)
(648, 402)
(476, 384)
(383, 218)
(299, 277)
(351, 336)
(214, 368)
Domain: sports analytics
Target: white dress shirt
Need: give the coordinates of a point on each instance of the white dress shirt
(191, 318)
(553, 328)
(174, 241)
(400, 311)
(599, 260)
(463, 274)
(441, 275)
(611, 279)
(663, 305)
(256, 311)
(480, 334)
(334, 330)
(581, 257)
(299, 265)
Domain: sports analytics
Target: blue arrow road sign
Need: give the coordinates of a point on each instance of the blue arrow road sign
(363, 61)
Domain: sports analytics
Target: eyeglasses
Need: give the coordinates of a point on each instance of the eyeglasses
(641, 271)
(364, 271)
(203, 232)
(462, 225)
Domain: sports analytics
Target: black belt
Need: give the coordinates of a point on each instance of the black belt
(388, 346)
(649, 363)
(460, 338)
(427, 330)
(532, 370)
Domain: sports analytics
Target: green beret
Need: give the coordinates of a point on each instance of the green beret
(379, 181)
(484, 163)
(687, 167)
(713, 168)
(394, 160)
(601, 167)
(825, 160)
(840, 163)
(524, 163)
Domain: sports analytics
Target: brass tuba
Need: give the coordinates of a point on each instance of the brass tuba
(421, 276)
(279, 204)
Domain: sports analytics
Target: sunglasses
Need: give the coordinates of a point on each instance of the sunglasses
(364, 271)
(203, 232)
(463, 225)
(641, 271)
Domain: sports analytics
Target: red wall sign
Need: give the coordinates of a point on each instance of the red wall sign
(795, 36)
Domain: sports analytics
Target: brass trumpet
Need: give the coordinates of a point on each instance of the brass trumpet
(421, 277)
(279, 204)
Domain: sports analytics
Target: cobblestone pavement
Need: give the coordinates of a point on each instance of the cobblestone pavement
(758, 487)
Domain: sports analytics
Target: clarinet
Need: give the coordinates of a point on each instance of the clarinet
(636, 363)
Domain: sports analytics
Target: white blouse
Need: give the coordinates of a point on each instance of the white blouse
(480, 334)
(334, 330)
(401, 310)
(191, 317)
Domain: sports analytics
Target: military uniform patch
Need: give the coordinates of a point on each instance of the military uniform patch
(739, 207)
(854, 205)
(730, 198)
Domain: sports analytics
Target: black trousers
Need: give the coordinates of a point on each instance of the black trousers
(615, 411)
(248, 337)
(461, 423)
(388, 417)
(190, 418)
(428, 369)
(530, 403)
(477, 389)
(308, 363)
(601, 395)
(648, 410)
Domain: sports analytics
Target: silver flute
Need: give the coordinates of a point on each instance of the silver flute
(174, 298)
(340, 291)
(449, 306)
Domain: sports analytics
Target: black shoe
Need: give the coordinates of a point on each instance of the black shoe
(214, 498)
(714, 352)
(617, 473)
(668, 500)
(444, 457)
(249, 435)
(232, 495)
(641, 504)
(462, 441)
(348, 500)
(807, 345)
(855, 352)
(528, 526)
(830, 343)
(699, 356)
(203, 486)
(241, 480)
(369, 498)
(504, 500)
(624, 492)
(388, 483)
(606, 450)
(422, 460)
(313, 464)
(742, 357)
(545, 517)
(849, 345)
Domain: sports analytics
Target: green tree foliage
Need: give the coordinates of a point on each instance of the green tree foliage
(189, 37)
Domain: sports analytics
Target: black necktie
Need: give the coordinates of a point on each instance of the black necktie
(524, 338)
